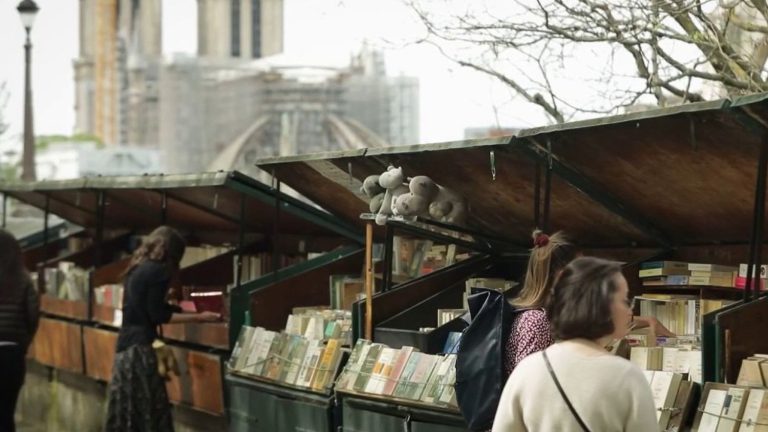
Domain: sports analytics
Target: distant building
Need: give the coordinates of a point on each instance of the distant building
(247, 29)
(216, 115)
(71, 160)
(117, 71)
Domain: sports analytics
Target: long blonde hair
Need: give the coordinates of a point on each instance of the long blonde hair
(549, 256)
(164, 244)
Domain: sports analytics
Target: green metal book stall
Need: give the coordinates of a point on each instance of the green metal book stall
(241, 232)
(683, 183)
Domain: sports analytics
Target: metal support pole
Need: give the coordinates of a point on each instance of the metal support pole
(389, 240)
(369, 281)
(28, 156)
(5, 210)
(276, 232)
(240, 243)
(756, 246)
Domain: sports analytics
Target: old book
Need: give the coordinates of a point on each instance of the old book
(420, 376)
(448, 393)
(733, 408)
(397, 370)
(260, 353)
(713, 408)
(326, 370)
(755, 415)
(663, 268)
(297, 359)
(309, 365)
(365, 373)
(433, 387)
(649, 358)
(381, 371)
(664, 388)
(751, 373)
(354, 364)
(683, 407)
(404, 383)
(669, 356)
(276, 355)
(242, 348)
(289, 353)
(711, 268)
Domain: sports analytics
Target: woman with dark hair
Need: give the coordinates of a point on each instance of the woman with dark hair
(19, 316)
(530, 330)
(137, 397)
(576, 384)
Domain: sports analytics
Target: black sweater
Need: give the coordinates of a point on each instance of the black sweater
(144, 304)
(19, 318)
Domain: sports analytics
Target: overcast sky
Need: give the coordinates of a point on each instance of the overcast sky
(317, 31)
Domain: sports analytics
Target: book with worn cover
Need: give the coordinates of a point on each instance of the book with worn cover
(397, 369)
(365, 373)
(354, 364)
(381, 370)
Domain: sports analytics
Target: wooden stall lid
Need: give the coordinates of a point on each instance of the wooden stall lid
(677, 176)
(207, 204)
(57, 343)
(271, 303)
(100, 345)
(740, 329)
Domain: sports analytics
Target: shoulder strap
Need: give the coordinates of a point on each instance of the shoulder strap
(562, 393)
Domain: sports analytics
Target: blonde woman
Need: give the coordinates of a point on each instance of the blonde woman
(531, 330)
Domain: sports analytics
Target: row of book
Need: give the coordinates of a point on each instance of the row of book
(66, 281)
(287, 359)
(412, 257)
(256, 265)
(732, 408)
(678, 313)
(668, 359)
(345, 290)
(109, 295)
(403, 373)
(320, 324)
(197, 254)
(663, 273)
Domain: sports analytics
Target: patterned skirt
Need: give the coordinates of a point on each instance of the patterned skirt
(138, 401)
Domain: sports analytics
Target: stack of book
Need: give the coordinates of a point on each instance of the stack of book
(732, 408)
(403, 373)
(681, 360)
(712, 275)
(67, 282)
(660, 273)
(679, 313)
(109, 295)
(286, 359)
(501, 285)
(446, 315)
(741, 277)
(320, 324)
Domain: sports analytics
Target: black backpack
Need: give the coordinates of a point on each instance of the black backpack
(480, 372)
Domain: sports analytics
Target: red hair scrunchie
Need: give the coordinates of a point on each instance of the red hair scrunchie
(541, 240)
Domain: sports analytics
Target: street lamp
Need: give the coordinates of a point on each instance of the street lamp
(27, 10)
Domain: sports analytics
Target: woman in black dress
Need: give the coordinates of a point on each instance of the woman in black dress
(19, 316)
(137, 397)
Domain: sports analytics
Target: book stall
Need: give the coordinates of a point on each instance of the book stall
(677, 195)
(234, 241)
